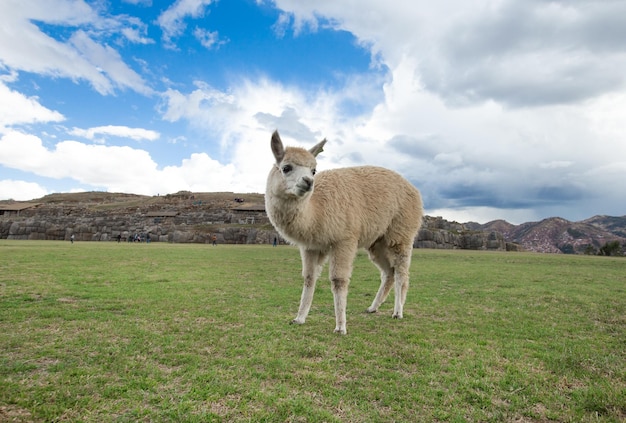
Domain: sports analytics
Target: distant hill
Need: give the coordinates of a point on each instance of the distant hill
(557, 235)
(614, 225)
(502, 226)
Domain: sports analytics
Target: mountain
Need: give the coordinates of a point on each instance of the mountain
(614, 225)
(502, 226)
(558, 235)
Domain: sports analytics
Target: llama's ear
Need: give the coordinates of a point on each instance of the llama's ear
(318, 148)
(277, 147)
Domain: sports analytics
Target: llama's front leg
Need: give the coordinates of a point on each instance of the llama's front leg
(340, 272)
(340, 296)
(312, 262)
(305, 300)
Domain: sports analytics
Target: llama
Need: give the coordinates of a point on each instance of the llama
(333, 213)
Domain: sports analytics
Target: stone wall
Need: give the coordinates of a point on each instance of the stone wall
(199, 226)
(187, 226)
(438, 233)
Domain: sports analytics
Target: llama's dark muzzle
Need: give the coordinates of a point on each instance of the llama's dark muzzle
(305, 185)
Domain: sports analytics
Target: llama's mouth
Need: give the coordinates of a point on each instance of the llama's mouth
(304, 186)
(302, 190)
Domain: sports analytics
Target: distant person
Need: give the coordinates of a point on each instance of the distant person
(119, 238)
(148, 238)
(275, 241)
(214, 239)
(72, 238)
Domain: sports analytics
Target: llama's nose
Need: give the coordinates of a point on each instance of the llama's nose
(308, 182)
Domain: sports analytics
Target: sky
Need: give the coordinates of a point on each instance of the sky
(494, 109)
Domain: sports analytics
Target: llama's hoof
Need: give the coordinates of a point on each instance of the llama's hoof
(341, 331)
(296, 322)
(397, 316)
(371, 310)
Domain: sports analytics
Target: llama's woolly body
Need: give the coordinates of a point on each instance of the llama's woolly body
(357, 203)
(337, 211)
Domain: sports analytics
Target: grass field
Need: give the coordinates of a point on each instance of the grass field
(100, 332)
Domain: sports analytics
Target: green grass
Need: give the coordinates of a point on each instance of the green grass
(97, 332)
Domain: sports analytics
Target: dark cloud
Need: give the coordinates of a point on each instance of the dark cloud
(503, 193)
(560, 194)
(416, 147)
(562, 86)
(532, 53)
(487, 195)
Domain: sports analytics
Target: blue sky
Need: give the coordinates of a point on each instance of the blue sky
(511, 109)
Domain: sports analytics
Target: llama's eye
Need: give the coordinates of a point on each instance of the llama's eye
(313, 171)
(287, 168)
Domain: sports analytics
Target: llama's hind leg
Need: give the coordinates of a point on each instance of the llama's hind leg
(378, 254)
(312, 264)
(340, 271)
(401, 279)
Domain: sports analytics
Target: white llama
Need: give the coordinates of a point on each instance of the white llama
(335, 212)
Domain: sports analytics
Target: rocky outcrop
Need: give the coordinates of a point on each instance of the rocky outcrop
(181, 218)
(435, 233)
(190, 218)
(439, 233)
(193, 227)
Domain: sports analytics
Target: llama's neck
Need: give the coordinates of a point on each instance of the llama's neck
(292, 216)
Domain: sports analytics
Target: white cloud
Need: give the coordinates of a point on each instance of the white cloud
(136, 134)
(281, 25)
(242, 120)
(172, 20)
(204, 106)
(139, 2)
(21, 190)
(134, 36)
(516, 53)
(16, 109)
(108, 61)
(208, 39)
(113, 168)
(24, 47)
(200, 173)
(555, 164)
